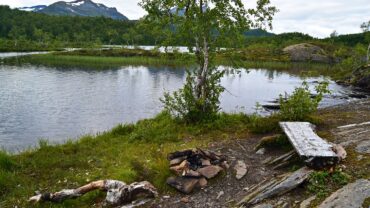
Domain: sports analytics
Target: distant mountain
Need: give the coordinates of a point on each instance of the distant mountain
(33, 8)
(85, 8)
(258, 33)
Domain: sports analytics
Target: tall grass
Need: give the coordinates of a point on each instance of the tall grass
(95, 62)
(128, 152)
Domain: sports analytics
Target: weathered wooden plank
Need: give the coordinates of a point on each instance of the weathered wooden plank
(305, 141)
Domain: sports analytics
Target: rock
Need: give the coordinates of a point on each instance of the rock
(221, 193)
(340, 151)
(265, 205)
(261, 151)
(241, 169)
(307, 52)
(352, 195)
(363, 147)
(203, 182)
(185, 153)
(276, 187)
(267, 141)
(179, 169)
(166, 197)
(205, 162)
(183, 184)
(360, 77)
(185, 199)
(191, 173)
(210, 171)
(225, 165)
(285, 205)
(357, 134)
(306, 203)
(177, 161)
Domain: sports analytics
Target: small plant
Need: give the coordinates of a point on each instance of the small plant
(184, 103)
(6, 163)
(322, 182)
(301, 103)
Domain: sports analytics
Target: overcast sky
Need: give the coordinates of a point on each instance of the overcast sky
(316, 17)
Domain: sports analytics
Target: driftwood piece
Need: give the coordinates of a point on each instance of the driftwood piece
(118, 192)
(284, 160)
(276, 187)
(316, 152)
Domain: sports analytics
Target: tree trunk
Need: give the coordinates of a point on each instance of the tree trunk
(368, 54)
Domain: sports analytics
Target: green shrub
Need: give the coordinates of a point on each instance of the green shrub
(301, 104)
(322, 182)
(6, 177)
(185, 104)
(6, 163)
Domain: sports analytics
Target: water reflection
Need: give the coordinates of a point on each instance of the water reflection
(59, 103)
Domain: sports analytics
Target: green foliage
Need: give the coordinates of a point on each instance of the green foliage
(322, 182)
(184, 105)
(204, 28)
(6, 163)
(6, 166)
(301, 104)
(46, 31)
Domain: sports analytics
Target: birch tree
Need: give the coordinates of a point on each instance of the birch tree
(203, 25)
(366, 28)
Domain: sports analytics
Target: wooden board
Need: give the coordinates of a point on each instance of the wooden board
(305, 141)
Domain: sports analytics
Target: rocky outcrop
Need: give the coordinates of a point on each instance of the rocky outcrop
(352, 195)
(307, 52)
(361, 77)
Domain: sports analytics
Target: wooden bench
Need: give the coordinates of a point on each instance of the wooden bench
(315, 151)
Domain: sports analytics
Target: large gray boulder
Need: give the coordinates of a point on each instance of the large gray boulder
(361, 77)
(307, 52)
(352, 195)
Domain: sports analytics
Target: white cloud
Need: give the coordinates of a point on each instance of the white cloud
(315, 17)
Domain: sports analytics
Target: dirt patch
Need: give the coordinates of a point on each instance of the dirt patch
(226, 190)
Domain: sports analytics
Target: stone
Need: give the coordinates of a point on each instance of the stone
(225, 165)
(221, 193)
(210, 171)
(179, 169)
(183, 184)
(241, 169)
(267, 141)
(363, 147)
(276, 187)
(352, 195)
(205, 162)
(191, 173)
(306, 203)
(354, 134)
(307, 52)
(177, 161)
(185, 199)
(265, 205)
(203, 182)
(261, 151)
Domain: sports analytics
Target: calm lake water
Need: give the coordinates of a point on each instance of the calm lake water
(57, 104)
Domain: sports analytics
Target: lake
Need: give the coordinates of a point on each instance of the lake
(57, 103)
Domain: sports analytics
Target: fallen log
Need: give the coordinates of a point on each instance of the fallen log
(316, 152)
(118, 193)
(276, 187)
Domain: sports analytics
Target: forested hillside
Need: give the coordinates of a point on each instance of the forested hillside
(20, 30)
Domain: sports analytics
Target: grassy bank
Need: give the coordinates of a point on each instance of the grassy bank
(96, 61)
(127, 152)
